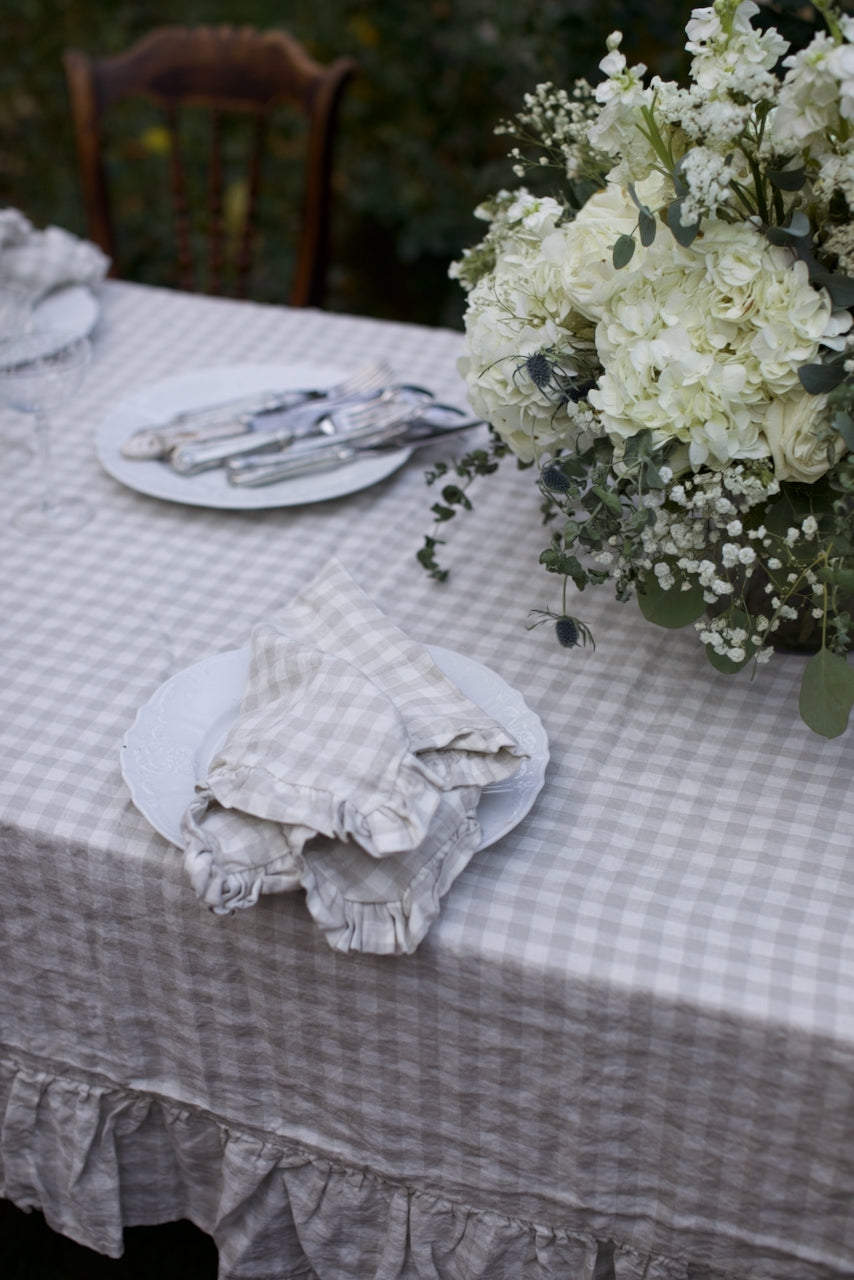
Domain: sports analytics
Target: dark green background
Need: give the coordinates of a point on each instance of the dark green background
(417, 150)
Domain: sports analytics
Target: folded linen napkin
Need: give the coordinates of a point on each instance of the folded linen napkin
(44, 260)
(353, 770)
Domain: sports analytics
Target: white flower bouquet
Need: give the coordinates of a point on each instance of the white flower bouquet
(668, 340)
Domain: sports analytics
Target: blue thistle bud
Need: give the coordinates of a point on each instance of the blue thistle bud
(566, 631)
(554, 479)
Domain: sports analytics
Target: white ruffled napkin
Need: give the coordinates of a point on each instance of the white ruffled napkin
(43, 260)
(353, 771)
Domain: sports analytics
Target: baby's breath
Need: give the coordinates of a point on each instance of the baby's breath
(667, 338)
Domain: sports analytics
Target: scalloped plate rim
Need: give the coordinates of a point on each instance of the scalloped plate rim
(181, 741)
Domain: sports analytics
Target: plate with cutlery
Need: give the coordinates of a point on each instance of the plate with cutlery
(252, 436)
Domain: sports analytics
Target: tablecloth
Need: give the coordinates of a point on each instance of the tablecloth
(625, 1048)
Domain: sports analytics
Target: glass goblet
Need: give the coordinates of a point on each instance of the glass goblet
(16, 317)
(38, 372)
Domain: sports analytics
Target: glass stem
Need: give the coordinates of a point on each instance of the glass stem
(42, 428)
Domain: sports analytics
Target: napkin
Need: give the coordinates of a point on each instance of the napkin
(353, 771)
(43, 260)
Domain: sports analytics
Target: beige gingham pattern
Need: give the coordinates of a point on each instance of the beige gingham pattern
(627, 1043)
(350, 731)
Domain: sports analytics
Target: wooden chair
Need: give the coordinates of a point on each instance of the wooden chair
(223, 70)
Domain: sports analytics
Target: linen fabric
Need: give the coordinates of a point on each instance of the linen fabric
(624, 1048)
(349, 731)
(43, 260)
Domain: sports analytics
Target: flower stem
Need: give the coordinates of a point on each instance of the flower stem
(831, 17)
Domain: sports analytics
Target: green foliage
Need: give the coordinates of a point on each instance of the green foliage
(827, 693)
(624, 251)
(684, 235)
(417, 149)
(477, 462)
(672, 608)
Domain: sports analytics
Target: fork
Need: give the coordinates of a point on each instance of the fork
(400, 433)
(235, 417)
(393, 404)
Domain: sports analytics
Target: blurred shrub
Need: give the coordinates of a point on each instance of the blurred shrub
(416, 152)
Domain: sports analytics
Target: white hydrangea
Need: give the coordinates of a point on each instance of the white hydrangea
(517, 310)
(699, 343)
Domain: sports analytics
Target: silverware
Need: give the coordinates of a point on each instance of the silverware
(237, 416)
(321, 417)
(193, 458)
(254, 472)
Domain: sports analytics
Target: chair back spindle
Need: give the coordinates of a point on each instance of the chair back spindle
(224, 71)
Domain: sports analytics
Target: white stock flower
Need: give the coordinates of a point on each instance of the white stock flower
(622, 96)
(731, 57)
(815, 105)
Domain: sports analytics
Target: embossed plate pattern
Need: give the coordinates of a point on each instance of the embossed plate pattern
(168, 748)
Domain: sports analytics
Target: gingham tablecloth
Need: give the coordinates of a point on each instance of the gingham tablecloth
(626, 1047)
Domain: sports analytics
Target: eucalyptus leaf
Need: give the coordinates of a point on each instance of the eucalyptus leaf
(798, 229)
(640, 519)
(623, 252)
(799, 225)
(843, 422)
(838, 577)
(652, 476)
(724, 664)
(646, 226)
(777, 235)
(680, 186)
(683, 235)
(840, 288)
(816, 379)
(786, 179)
(674, 608)
(610, 500)
(638, 445)
(737, 618)
(827, 694)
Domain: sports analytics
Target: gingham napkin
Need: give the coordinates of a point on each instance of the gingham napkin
(44, 260)
(353, 770)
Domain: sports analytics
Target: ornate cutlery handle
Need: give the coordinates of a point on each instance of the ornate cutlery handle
(190, 459)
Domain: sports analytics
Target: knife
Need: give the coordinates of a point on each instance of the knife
(392, 405)
(255, 472)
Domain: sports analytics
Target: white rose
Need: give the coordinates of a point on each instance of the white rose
(584, 248)
(798, 447)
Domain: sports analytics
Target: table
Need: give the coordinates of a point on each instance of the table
(625, 1049)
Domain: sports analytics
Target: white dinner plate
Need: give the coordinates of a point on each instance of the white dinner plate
(168, 748)
(72, 309)
(205, 387)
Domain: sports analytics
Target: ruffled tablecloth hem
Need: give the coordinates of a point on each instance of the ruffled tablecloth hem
(95, 1158)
